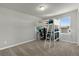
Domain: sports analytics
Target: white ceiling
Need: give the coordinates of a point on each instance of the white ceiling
(31, 8)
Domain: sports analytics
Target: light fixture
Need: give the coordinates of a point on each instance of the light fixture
(42, 8)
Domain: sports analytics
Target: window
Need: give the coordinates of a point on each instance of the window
(65, 23)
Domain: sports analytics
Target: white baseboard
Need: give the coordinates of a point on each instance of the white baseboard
(69, 41)
(16, 44)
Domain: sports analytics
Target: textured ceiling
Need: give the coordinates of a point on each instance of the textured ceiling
(31, 8)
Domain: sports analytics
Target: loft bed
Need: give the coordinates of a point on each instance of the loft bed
(43, 31)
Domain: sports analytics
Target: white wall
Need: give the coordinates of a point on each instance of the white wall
(73, 36)
(77, 27)
(15, 27)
